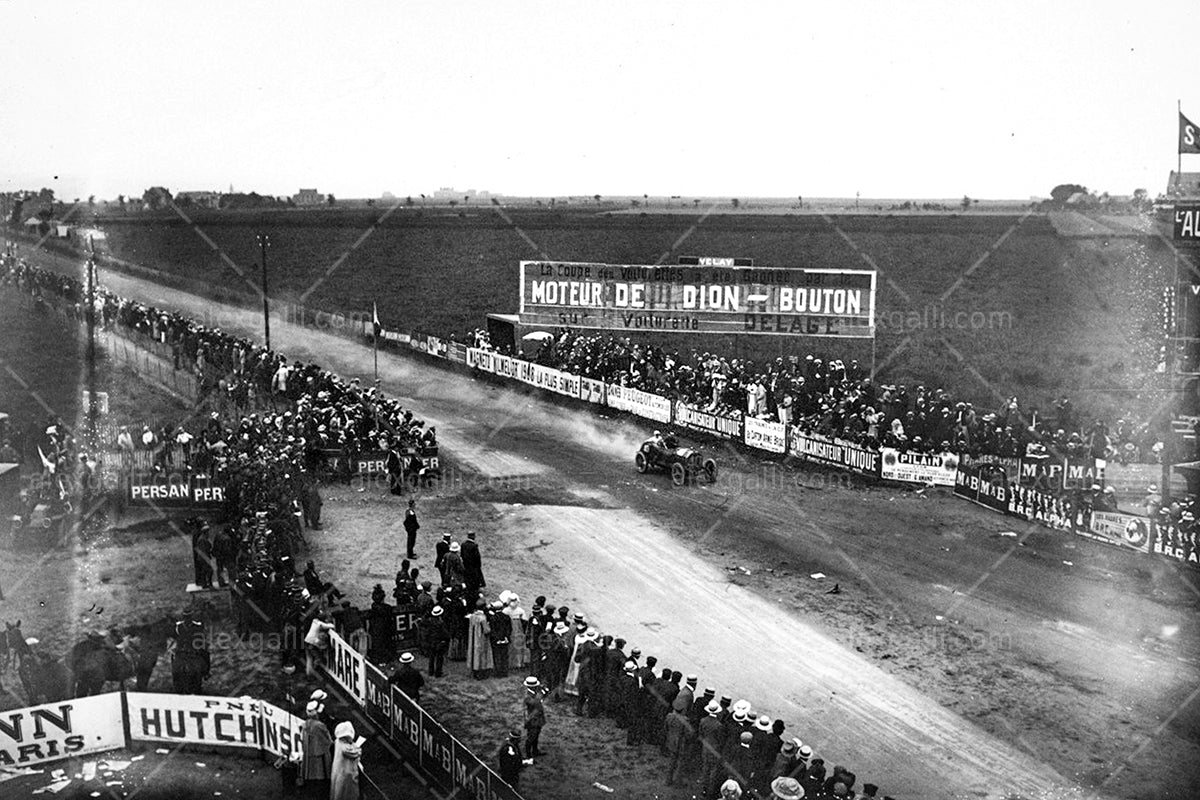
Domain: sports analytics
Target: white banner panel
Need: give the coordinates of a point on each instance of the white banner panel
(635, 401)
(507, 366)
(593, 391)
(193, 719)
(346, 666)
(935, 468)
(765, 435)
(480, 359)
(279, 732)
(550, 379)
(41, 734)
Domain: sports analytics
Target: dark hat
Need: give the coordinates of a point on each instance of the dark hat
(514, 734)
(746, 738)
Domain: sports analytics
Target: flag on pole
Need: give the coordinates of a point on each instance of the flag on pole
(375, 320)
(1189, 135)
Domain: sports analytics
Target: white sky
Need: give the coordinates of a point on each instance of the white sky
(993, 99)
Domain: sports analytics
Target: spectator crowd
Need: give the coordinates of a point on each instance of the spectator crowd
(841, 399)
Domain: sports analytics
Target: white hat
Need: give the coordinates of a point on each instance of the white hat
(318, 694)
(532, 682)
(455, 547)
(437, 611)
(742, 705)
(313, 708)
(406, 658)
(344, 730)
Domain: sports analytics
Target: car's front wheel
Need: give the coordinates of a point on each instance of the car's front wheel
(639, 461)
(710, 470)
(678, 474)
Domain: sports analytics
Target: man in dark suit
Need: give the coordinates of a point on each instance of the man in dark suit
(407, 679)
(614, 664)
(442, 548)
(411, 526)
(535, 716)
(472, 566)
(587, 656)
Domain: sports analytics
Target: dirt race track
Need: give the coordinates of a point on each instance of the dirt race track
(954, 662)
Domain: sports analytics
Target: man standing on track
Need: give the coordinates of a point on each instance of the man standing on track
(411, 526)
(535, 716)
(473, 566)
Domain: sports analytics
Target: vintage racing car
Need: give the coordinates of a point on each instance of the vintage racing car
(684, 464)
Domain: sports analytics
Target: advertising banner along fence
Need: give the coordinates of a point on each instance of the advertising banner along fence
(635, 401)
(701, 298)
(769, 436)
(986, 484)
(421, 741)
(834, 452)
(1125, 530)
(695, 419)
(194, 719)
(925, 468)
(176, 489)
(41, 734)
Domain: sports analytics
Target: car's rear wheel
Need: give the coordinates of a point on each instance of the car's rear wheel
(710, 470)
(678, 474)
(639, 461)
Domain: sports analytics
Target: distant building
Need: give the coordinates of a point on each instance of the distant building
(308, 197)
(1188, 185)
(199, 198)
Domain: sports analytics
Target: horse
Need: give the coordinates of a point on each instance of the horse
(94, 661)
(44, 678)
(143, 644)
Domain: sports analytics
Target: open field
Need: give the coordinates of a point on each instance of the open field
(986, 305)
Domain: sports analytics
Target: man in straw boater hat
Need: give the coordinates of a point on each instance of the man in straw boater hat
(786, 789)
(437, 639)
(535, 716)
(407, 678)
(710, 735)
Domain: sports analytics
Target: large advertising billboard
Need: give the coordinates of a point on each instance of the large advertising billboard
(699, 299)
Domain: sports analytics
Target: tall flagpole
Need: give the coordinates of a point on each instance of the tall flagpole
(1178, 146)
(375, 338)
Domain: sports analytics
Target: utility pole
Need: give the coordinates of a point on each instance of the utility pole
(264, 242)
(90, 316)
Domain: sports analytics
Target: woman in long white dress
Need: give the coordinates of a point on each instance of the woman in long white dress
(518, 650)
(344, 773)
